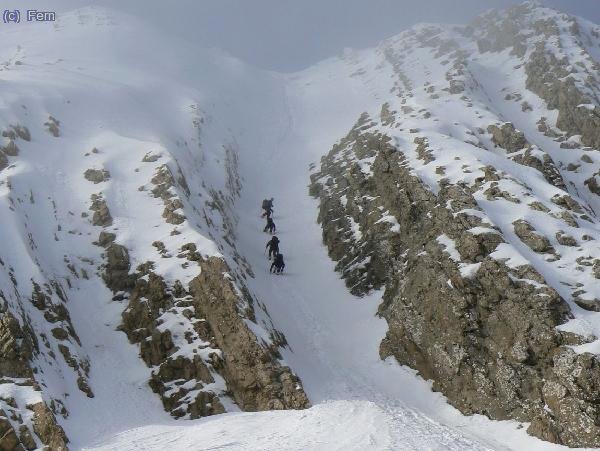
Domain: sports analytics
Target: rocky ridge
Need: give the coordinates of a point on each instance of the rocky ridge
(469, 198)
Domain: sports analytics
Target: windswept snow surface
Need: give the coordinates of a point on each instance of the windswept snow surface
(280, 125)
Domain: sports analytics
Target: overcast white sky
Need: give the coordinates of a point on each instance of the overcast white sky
(288, 35)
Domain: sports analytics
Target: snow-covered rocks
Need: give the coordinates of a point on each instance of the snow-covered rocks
(134, 279)
(496, 205)
(111, 169)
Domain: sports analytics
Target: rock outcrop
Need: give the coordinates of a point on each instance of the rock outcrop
(252, 371)
(484, 331)
(507, 137)
(16, 433)
(96, 175)
(212, 353)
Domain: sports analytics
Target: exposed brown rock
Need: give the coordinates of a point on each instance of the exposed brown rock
(101, 215)
(26, 438)
(549, 78)
(253, 375)
(116, 269)
(507, 137)
(491, 346)
(566, 240)
(47, 429)
(527, 234)
(15, 348)
(163, 181)
(52, 125)
(545, 165)
(8, 437)
(96, 175)
(252, 372)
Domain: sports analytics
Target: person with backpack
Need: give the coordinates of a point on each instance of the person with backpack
(273, 246)
(267, 204)
(278, 265)
(270, 227)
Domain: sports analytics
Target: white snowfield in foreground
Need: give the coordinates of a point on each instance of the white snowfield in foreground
(340, 425)
(117, 84)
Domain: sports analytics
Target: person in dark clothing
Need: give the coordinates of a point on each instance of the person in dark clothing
(273, 246)
(267, 204)
(278, 265)
(270, 227)
(268, 212)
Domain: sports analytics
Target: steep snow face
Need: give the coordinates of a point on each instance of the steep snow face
(137, 145)
(121, 148)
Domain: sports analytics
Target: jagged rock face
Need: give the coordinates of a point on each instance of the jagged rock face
(549, 70)
(214, 345)
(15, 347)
(483, 330)
(44, 425)
(474, 205)
(116, 273)
(514, 142)
(550, 79)
(178, 378)
(507, 137)
(101, 216)
(163, 181)
(364, 265)
(251, 370)
(16, 350)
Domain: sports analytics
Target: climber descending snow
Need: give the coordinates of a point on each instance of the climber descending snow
(278, 265)
(273, 246)
(268, 212)
(270, 227)
(267, 204)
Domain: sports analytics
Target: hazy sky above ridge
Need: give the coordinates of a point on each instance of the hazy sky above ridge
(289, 35)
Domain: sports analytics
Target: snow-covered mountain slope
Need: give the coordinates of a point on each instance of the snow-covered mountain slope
(118, 187)
(471, 197)
(125, 146)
